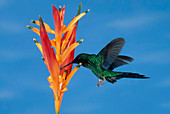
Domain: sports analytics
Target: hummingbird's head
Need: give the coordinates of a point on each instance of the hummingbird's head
(78, 59)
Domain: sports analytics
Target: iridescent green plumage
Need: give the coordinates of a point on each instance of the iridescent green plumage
(94, 64)
(106, 60)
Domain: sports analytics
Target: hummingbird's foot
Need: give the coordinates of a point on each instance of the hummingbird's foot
(100, 82)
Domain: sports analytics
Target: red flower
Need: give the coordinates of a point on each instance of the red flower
(65, 48)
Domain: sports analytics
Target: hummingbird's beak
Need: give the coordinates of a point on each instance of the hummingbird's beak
(67, 65)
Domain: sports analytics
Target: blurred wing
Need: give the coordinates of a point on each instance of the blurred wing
(126, 58)
(110, 52)
(119, 61)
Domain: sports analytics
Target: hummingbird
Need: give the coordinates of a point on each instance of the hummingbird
(105, 61)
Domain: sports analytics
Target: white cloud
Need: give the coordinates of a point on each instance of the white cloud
(33, 84)
(134, 22)
(167, 35)
(165, 83)
(3, 3)
(158, 57)
(166, 105)
(6, 94)
(10, 27)
(33, 110)
(10, 55)
(86, 108)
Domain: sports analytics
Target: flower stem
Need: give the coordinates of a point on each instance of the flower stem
(57, 106)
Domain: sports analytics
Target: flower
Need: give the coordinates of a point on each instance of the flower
(64, 44)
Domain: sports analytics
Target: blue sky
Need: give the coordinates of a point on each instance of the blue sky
(145, 26)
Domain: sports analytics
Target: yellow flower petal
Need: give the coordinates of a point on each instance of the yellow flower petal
(64, 44)
(60, 79)
(47, 27)
(69, 49)
(65, 89)
(71, 75)
(63, 27)
(34, 29)
(75, 20)
(64, 74)
(49, 79)
(51, 86)
(53, 42)
(38, 45)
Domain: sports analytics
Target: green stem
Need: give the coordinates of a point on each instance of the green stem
(57, 106)
(57, 112)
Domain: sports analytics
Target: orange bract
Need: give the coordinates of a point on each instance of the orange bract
(64, 46)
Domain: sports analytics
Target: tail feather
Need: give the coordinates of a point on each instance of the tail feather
(113, 79)
(132, 75)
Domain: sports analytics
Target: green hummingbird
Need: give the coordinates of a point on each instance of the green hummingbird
(105, 61)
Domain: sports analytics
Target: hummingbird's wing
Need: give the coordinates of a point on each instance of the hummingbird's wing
(126, 58)
(119, 61)
(110, 52)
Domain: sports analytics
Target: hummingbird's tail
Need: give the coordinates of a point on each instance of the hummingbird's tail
(120, 75)
(132, 75)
